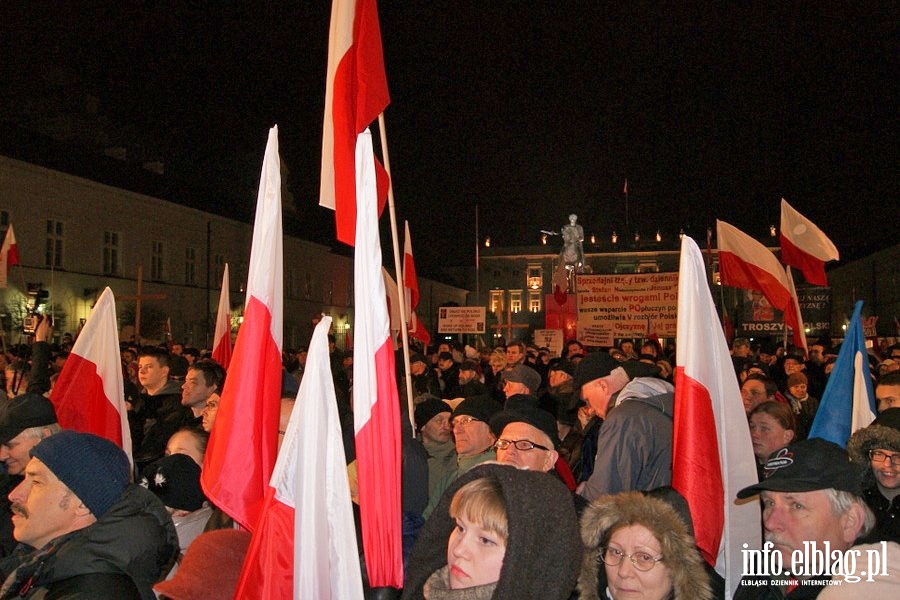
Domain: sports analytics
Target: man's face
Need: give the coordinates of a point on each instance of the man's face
(753, 393)
(445, 364)
(466, 376)
(15, 452)
(792, 366)
(555, 378)
(511, 388)
(534, 459)
(443, 348)
(597, 394)
(301, 357)
(194, 390)
(417, 368)
(885, 471)
(209, 414)
(438, 429)
(43, 507)
(888, 396)
(514, 355)
(471, 436)
(741, 351)
(791, 518)
(817, 354)
(151, 374)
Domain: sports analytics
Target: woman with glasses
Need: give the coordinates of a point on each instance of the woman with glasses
(638, 546)
(878, 447)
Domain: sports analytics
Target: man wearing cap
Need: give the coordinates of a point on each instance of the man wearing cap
(448, 373)
(634, 445)
(469, 381)
(877, 448)
(432, 418)
(520, 379)
(25, 421)
(810, 501)
(85, 532)
(526, 438)
(424, 380)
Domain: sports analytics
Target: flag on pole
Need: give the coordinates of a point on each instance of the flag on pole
(392, 292)
(222, 339)
(356, 93)
(305, 543)
(89, 395)
(848, 402)
(9, 255)
(411, 289)
(804, 246)
(712, 456)
(745, 263)
(799, 332)
(241, 453)
(376, 405)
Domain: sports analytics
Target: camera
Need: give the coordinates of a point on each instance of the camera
(34, 303)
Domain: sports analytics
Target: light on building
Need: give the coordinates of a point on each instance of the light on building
(615, 238)
(637, 236)
(772, 230)
(487, 242)
(544, 239)
(593, 239)
(681, 234)
(658, 236)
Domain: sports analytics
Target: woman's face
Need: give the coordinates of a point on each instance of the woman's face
(767, 435)
(474, 555)
(624, 580)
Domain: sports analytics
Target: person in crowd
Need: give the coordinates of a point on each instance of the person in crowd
(515, 353)
(210, 568)
(626, 347)
(470, 381)
(639, 546)
(208, 416)
(802, 404)
(499, 533)
(810, 495)
(424, 380)
(432, 416)
(574, 351)
(887, 392)
(772, 426)
(755, 390)
(190, 441)
(448, 374)
(877, 448)
(204, 379)
(493, 376)
(520, 379)
(84, 530)
(526, 438)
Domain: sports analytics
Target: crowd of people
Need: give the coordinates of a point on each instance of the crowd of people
(528, 475)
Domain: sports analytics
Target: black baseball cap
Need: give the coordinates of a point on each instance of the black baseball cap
(22, 412)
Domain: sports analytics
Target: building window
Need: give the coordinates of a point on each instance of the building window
(157, 260)
(190, 265)
(111, 253)
(53, 254)
(535, 277)
(648, 266)
(497, 301)
(515, 301)
(534, 302)
(4, 219)
(218, 269)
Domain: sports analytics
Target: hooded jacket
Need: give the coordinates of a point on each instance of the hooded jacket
(882, 434)
(135, 540)
(543, 551)
(680, 555)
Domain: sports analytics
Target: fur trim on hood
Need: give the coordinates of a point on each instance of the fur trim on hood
(689, 579)
(876, 435)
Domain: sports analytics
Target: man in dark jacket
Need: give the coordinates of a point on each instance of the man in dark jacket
(84, 531)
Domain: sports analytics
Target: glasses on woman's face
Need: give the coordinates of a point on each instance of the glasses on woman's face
(642, 561)
(879, 457)
(523, 445)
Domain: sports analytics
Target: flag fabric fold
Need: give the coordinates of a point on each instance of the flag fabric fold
(712, 456)
(222, 339)
(304, 545)
(411, 288)
(9, 255)
(392, 293)
(804, 246)
(356, 93)
(848, 402)
(798, 333)
(241, 452)
(376, 404)
(89, 395)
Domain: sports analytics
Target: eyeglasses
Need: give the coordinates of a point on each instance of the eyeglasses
(461, 421)
(879, 456)
(502, 444)
(641, 560)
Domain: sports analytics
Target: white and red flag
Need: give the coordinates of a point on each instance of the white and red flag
(304, 546)
(242, 445)
(392, 293)
(804, 246)
(411, 288)
(376, 404)
(221, 352)
(712, 456)
(747, 264)
(9, 255)
(799, 334)
(356, 93)
(89, 395)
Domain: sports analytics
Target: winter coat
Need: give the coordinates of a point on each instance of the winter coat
(880, 434)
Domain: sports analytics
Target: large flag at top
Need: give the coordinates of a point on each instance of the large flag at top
(848, 402)
(241, 452)
(356, 93)
(712, 456)
(804, 246)
(222, 339)
(376, 405)
(745, 263)
(9, 255)
(305, 543)
(89, 394)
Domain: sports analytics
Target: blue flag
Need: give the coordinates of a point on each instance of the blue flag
(848, 403)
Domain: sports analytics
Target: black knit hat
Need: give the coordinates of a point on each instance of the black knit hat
(175, 479)
(480, 407)
(600, 364)
(22, 412)
(94, 468)
(429, 408)
(536, 417)
(562, 364)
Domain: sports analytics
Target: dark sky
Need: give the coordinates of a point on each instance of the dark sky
(531, 110)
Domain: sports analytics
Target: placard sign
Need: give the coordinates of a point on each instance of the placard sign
(461, 319)
(549, 338)
(626, 306)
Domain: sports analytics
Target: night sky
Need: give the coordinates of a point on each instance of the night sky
(531, 110)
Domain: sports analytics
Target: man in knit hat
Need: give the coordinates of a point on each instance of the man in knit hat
(434, 431)
(526, 438)
(82, 527)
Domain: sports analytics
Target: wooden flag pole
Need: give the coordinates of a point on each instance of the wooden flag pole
(404, 314)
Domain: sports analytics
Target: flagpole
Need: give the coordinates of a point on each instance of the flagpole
(404, 314)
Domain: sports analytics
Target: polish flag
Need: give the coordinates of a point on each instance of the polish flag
(745, 263)
(222, 340)
(89, 395)
(712, 456)
(411, 288)
(376, 405)
(241, 452)
(798, 333)
(304, 545)
(392, 293)
(9, 255)
(356, 93)
(804, 246)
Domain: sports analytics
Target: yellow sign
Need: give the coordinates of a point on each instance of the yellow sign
(626, 306)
